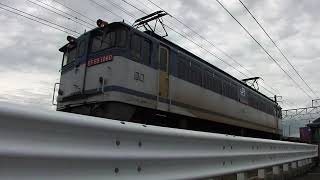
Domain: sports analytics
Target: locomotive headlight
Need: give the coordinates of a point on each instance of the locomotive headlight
(101, 23)
(71, 39)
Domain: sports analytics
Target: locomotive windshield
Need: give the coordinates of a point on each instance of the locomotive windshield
(69, 56)
(108, 39)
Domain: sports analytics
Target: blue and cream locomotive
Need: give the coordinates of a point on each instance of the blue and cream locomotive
(116, 71)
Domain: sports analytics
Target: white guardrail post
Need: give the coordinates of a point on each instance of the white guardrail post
(50, 145)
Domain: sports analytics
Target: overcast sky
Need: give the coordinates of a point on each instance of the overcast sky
(30, 60)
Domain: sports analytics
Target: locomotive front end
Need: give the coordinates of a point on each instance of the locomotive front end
(91, 64)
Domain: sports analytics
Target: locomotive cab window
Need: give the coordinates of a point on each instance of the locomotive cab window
(141, 49)
(109, 39)
(146, 54)
(81, 48)
(121, 37)
(136, 46)
(69, 56)
(96, 41)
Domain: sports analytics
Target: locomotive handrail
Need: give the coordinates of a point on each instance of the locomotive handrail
(54, 92)
(39, 144)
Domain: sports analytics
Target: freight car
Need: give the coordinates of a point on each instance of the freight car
(117, 71)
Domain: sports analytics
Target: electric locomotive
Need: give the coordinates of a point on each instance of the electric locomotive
(119, 72)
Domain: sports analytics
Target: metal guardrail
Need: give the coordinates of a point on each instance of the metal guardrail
(55, 145)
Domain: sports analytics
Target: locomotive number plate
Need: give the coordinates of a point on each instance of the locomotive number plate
(99, 60)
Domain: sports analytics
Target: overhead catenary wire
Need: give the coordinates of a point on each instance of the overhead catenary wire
(277, 63)
(47, 22)
(290, 103)
(68, 14)
(215, 46)
(35, 20)
(289, 117)
(134, 7)
(285, 57)
(167, 20)
(128, 3)
(100, 5)
(193, 42)
(198, 45)
(59, 14)
(75, 11)
(121, 9)
(140, 2)
(223, 52)
(287, 103)
(187, 39)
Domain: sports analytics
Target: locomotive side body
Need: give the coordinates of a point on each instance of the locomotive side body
(206, 104)
(130, 75)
